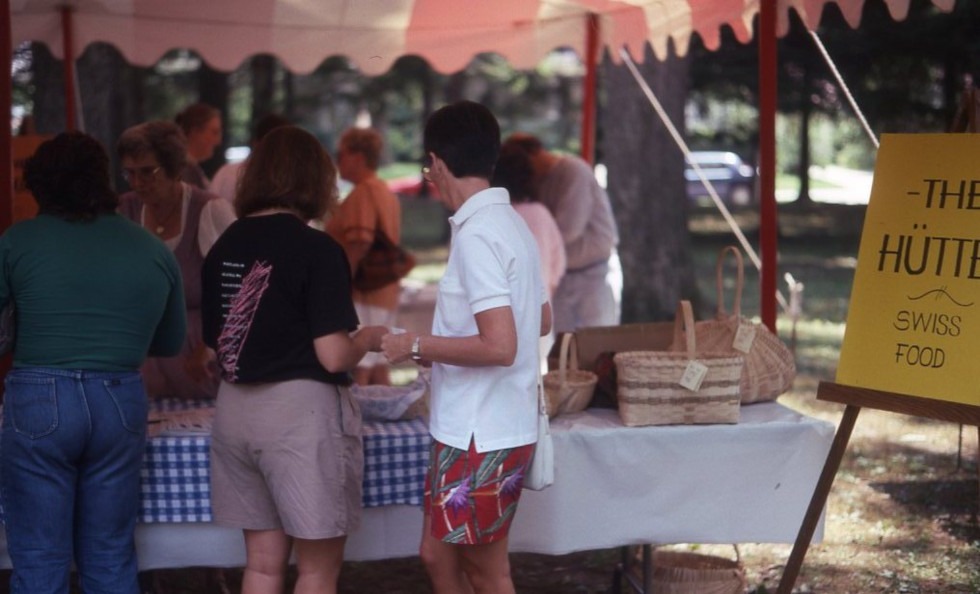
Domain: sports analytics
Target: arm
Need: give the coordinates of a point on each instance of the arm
(216, 216)
(358, 219)
(546, 318)
(172, 327)
(495, 343)
(341, 351)
(573, 203)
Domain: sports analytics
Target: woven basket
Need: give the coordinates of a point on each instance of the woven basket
(649, 390)
(769, 364)
(676, 572)
(569, 389)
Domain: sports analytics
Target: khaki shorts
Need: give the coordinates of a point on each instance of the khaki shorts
(287, 456)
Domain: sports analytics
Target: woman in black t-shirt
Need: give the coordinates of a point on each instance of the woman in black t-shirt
(286, 458)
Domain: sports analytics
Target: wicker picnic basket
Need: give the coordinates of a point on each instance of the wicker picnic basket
(649, 389)
(678, 572)
(569, 389)
(769, 367)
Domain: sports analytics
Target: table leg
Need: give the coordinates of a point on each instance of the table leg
(818, 500)
(641, 584)
(647, 569)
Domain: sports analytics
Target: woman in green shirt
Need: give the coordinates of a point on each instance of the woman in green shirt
(93, 294)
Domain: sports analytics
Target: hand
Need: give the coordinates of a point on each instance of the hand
(370, 337)
(200, 364)
(397, 347)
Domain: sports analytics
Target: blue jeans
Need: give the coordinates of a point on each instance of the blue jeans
(71, 450)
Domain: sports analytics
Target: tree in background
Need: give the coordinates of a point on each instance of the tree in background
(646, 186)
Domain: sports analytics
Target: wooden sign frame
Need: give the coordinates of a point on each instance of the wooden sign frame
(855, 398)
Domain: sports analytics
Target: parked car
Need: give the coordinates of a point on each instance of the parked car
(733, 180)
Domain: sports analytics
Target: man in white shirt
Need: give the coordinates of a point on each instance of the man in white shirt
(491, 308)
(589, 293)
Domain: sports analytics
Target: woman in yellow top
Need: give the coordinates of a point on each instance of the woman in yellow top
(370, 205)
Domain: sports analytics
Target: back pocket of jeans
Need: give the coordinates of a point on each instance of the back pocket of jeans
(130, 400)
(31, 405)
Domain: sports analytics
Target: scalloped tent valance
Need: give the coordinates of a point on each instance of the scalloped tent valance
(373, 33)
(447, 33)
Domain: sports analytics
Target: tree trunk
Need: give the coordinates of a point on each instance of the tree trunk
(806, 109)
(646, 186)
(49, 91)
(213, 87)
(109, 103)
(263, 85)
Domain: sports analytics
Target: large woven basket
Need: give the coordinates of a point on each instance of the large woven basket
(769, 367)
(569, 389)
(649, 390)
(677, 572)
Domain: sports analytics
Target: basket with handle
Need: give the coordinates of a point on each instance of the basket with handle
(568, 389)
(769, 364)
(649, 383)
(681, 572)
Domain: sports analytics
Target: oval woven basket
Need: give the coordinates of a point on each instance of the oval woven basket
(569, 389)
(649, 384)
(677, 572)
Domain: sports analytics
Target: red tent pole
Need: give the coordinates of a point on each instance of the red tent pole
(767, 161)
(68, 47)
(591, 59)
(6, 91)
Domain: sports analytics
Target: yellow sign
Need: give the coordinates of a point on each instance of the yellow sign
(913, 326)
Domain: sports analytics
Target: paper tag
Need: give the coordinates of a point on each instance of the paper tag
(743, 338)
(694, 375)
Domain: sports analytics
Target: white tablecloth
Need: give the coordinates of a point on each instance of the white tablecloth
(749, 482)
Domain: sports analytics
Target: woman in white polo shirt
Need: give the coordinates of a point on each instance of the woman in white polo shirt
(491, 309)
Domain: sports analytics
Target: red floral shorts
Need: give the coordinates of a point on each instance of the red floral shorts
(472, 497)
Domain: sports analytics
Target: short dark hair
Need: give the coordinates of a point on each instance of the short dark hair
(69, 177)
(163, 140)
(364, 141)
(266, 124)
(466, 136)
(515, 173)
(196, 116)
(288, 169)
(529, 143)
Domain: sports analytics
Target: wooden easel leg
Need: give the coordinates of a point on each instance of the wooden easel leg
(819, 500)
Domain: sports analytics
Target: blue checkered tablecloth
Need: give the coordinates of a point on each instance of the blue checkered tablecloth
(175, 477)
(395, 458)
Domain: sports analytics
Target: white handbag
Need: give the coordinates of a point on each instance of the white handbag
(541, 470)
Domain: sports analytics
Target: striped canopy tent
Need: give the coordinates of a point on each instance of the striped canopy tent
(447, 33)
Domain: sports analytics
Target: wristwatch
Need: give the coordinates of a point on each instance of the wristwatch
(417, 349)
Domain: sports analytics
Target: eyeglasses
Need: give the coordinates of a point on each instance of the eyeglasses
(426, 164)
(143, 173)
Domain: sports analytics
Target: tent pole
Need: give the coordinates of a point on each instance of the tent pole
(767, 160)
(6, 143)
(591, 59)
(68, 48)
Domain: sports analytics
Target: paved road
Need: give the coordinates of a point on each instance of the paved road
(850, 186)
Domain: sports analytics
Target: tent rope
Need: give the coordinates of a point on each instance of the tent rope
(682, 145)
(844, 87)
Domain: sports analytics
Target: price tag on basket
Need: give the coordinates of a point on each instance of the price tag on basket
(743, 338)
(694, 375)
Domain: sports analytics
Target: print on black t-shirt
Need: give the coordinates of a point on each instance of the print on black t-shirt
(238, 319)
